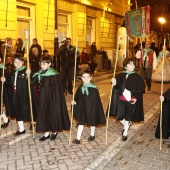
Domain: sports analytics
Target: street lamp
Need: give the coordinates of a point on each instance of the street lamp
(162, 21)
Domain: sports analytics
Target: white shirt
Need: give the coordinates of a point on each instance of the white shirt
(138, 55)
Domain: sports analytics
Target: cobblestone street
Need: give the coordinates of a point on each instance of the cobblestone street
(141, 151)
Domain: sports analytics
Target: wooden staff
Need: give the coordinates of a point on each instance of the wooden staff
(72, 108)
(2, 88)
(107, 120)
(29, 89)
(163, 60)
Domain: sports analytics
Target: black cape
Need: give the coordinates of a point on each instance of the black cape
(165, 118)
(52, 114)
(135, 84)
(20, 99)
(7, 100)
(88, 109)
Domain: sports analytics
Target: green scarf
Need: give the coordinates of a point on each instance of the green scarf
(49, 72)
(146, 51)
(19, 69)
(2, 66)
(160, 55)
(85, 88)
(129, 72)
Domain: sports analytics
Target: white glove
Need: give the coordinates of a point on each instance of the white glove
(113, 80)
(73, 103)
(161, 98)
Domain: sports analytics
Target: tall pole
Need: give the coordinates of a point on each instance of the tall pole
(56, 44)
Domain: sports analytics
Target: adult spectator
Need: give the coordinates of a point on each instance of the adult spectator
(106, 61)
(88, 47)
(34, 60)
(35, 44)
(67, 61)
(86, 59)
(93, 49)
(18, 47)
(147, 60)
(45, 53)
(1, 43)
(10, 51)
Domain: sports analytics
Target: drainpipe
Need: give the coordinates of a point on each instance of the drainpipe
(56, 44)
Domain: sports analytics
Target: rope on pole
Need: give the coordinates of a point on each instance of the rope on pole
(72, 108)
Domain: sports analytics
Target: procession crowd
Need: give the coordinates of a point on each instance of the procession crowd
(48, 88)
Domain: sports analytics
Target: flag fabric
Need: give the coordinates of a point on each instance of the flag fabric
(137, 22)
(148, 8)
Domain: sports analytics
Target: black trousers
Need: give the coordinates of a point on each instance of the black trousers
(146, 74)
(67, 75)
(125, 110)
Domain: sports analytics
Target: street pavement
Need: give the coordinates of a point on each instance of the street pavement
(140, 151)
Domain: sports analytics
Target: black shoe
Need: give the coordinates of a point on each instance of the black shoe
(124, 138)
(31, 126)
(70, 92)
(5, 125)
(149, 89)
(53, 136)
(123, 131)
(44, 138)
(91, 138)
(76, 141)
(19, 133)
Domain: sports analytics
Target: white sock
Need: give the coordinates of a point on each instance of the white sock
(55, 133)
(92, 130)
(4, 117)
(46, 134)
(79, 132)
(123, 122)
(127, 124)
(21, 126)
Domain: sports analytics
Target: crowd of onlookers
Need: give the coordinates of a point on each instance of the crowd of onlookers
(65, 57)
(35, 52)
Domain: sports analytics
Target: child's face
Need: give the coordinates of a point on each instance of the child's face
(44, 65)
(18, 63)
(86, 78)
(130, 67)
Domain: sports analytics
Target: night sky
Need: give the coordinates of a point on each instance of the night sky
(159, 8)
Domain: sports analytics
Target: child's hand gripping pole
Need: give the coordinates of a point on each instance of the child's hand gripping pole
(72, 108)
(108, 111)
(29, 89)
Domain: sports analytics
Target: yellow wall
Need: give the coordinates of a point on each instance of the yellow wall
(105, 25)
(8, 30)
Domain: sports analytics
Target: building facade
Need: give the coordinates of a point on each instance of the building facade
(89, 20)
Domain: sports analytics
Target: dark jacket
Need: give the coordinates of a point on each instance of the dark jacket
(67, 56)
(85, 58)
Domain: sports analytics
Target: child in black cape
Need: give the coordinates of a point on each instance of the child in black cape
(52, 114)
(18, 82)
(127, 99)
(165, 117)
(87, 107)
(7, 112)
